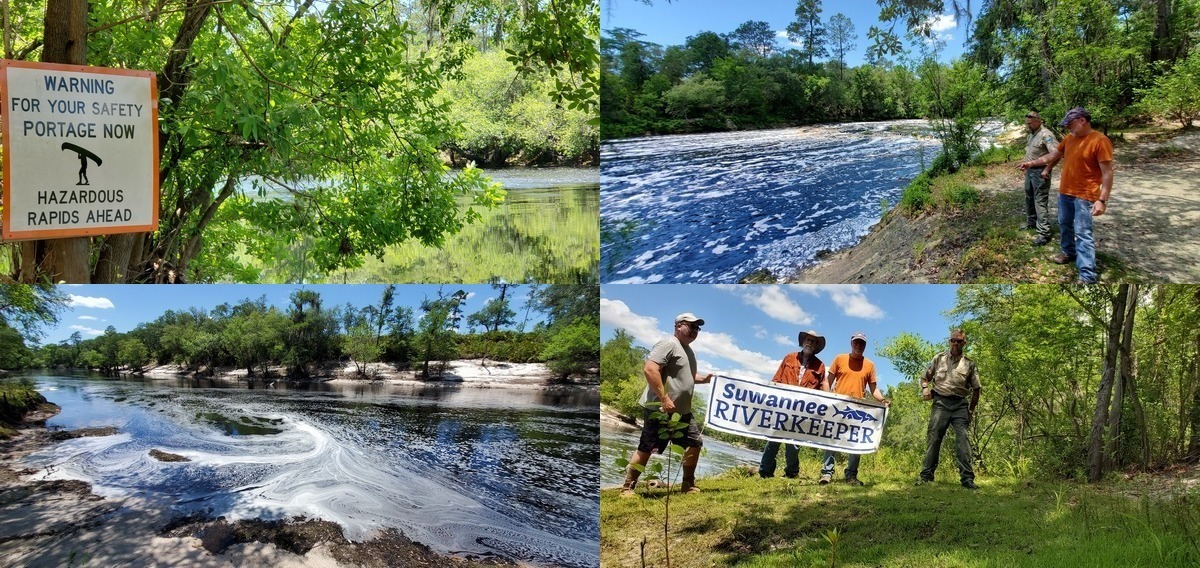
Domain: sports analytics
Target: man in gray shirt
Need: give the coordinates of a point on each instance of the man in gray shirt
(1037, 179)
(671, 378)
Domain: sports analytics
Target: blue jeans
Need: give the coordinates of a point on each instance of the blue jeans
(1075, 220)
(851, 464)
(791, 455)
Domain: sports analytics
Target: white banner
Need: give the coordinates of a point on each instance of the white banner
(794, 415)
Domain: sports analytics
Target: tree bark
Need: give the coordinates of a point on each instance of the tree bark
(1096, 457)
(65, 41)
(1129, 373)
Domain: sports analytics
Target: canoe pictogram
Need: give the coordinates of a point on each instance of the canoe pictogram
(84, 155)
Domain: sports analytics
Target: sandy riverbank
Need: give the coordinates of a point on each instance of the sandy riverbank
(63, 523)
(462, 372)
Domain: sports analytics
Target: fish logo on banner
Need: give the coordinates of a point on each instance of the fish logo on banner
(794, 415)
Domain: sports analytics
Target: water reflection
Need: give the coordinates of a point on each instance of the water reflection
(483, 471)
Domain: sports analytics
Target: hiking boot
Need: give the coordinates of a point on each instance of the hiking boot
(825, 479)
(631, 480)
(853, 481)
(970, 485)
(688, 486)
(1061, 258)
(1041, 241)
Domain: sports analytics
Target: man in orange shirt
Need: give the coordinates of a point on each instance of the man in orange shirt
(800, 369)
(1087, 179)
(851, 374)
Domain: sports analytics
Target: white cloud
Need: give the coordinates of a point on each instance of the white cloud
(645, 330)
(89, 302)
(782, 35)
(771, 300)
(942, 23)
(89, 318)
(86, 330)
(470, 295)
(724, 346)
(760, 332)
(784, 340)
(851, 298)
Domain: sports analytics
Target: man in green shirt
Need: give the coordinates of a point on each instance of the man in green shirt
(953, 385)
(1041, 141)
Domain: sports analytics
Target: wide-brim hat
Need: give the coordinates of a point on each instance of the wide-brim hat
(818, 337)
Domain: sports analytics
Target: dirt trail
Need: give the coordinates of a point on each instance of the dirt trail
(1153, 224)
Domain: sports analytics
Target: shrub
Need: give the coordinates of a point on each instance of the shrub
(917, 194)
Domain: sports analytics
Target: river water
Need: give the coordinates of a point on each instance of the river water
(709, 208)
(494, 472)
(619, 442)
(546, 230)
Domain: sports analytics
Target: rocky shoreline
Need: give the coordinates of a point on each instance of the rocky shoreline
(63, 523)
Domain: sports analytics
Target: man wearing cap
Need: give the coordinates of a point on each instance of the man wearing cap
(671, 378)
(1083, 189)
(1041, 141)
(800, 369)
(851, 374)
(953, 386)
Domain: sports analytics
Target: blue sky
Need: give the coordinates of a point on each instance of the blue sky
(748, 329)
(671, 23)
(94, 307)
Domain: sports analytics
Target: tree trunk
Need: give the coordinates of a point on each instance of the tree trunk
(65, 41)
(1096, 457)
(1129, 373)
(1193, 453)
(1162, 17)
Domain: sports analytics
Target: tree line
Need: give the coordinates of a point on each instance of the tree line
(1078, 381)
(322, 119)
(1127, 62)
(305, 337)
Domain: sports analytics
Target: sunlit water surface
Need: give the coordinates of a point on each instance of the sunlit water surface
(493, 472)
(716, 207)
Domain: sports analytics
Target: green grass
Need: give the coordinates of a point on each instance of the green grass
(16, 398)
(750, 522)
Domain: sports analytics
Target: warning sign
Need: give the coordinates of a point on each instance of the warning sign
(80, 150)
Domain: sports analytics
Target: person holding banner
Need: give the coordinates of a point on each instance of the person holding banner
(671, 379)
(949, 381)
(800, 369)
(851, 374)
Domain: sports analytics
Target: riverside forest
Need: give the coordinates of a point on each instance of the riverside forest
(307, 338)
(311, 141)
(1085, 443)
(1127, 62)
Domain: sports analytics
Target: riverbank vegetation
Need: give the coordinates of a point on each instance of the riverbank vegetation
(1121, 411)
(1127, 63)
(307, 337)
(329, 120)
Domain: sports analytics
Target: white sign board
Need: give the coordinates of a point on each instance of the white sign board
(80, 150)
(795, 415)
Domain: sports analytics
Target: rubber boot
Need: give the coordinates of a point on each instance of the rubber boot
(689, 483)
(631, 479)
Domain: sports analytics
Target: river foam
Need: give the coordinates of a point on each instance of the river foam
(460, 480)
(715, 207)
